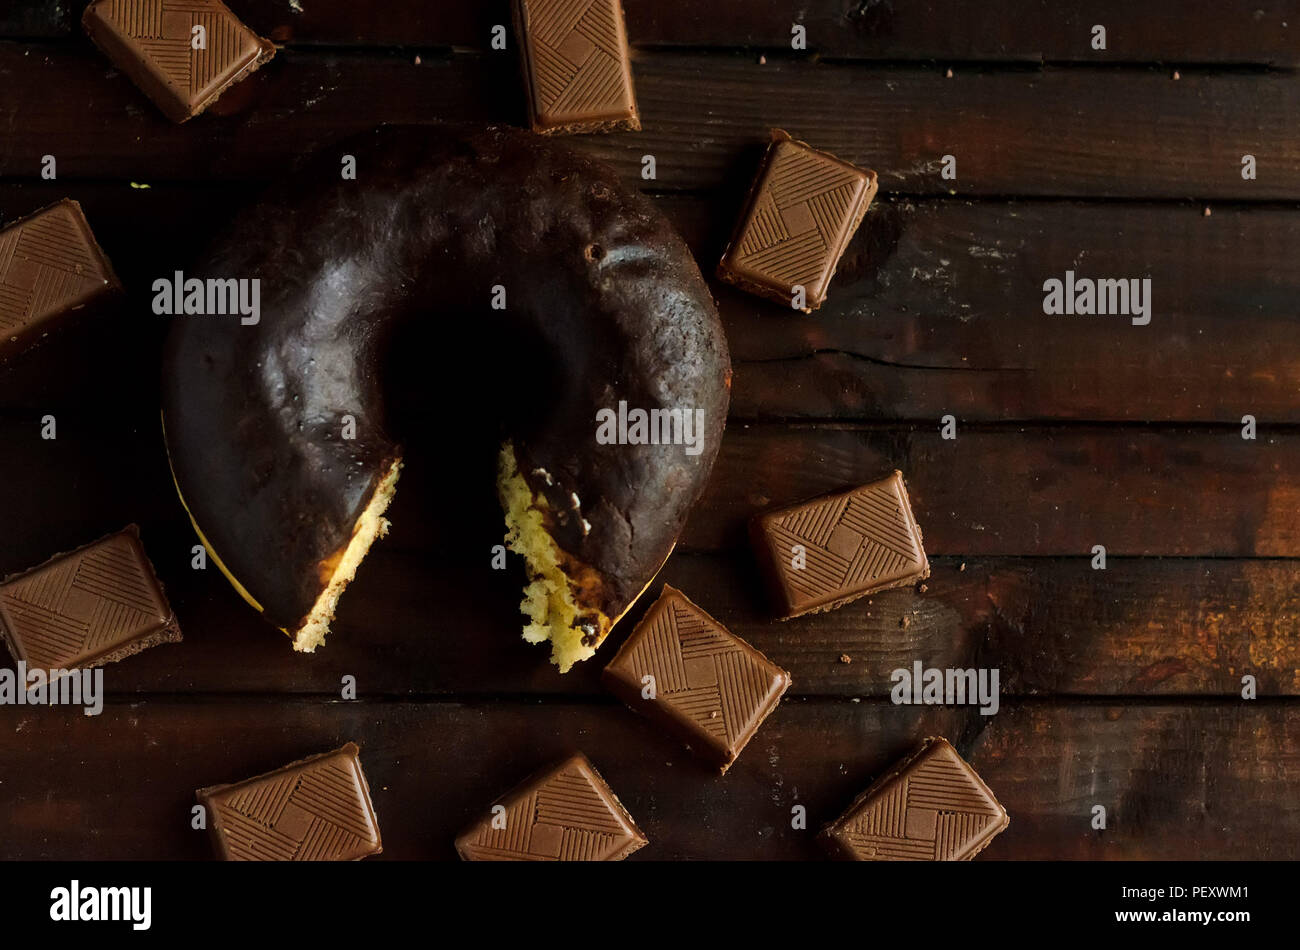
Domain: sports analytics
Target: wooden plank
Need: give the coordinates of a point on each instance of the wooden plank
(1178, 782)
(427, 623)
(1038, 491)
(1182, 32)
(1034, 491)
(257, 130)
(1019, 491)
(1146, 627)
(427, 615)
(936, 309)
(1201, 773)
(1049, 626)
(1075, 133)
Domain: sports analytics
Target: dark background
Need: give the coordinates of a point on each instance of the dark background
(1120, 688)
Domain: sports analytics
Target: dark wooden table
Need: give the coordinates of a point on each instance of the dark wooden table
(1120, 688)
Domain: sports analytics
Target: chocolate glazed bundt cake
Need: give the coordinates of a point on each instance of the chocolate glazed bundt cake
(438, 221)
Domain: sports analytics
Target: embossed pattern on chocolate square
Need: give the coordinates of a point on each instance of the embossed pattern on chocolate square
(91, 606)
(565, 813)
(576, 65)
(803, 209)
(182, 53)
(318, 809)
(700, 681)
(835, 549)
(49, 266)
(930, 807)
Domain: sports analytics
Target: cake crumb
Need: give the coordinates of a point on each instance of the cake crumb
(1207, 211)
(845, 658)
(1176, 76)
(963, 566)
(948, 74)
(762, 60)
(921, 589)
(904, 622)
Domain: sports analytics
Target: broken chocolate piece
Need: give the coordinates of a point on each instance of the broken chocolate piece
(95, 605)
(687, 672)
(929, 807)
(316, 809)
(183, 54)
(576, 65)
(802, 211)
(50, 266)
(565, 813)
(835, 549)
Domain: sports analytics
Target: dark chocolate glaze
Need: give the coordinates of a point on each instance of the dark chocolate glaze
(598, 283)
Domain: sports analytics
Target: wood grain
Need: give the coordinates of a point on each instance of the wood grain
(936, 309)
(1120, 687)
(1143, 627)
(1038, 491)
(428, 616)
(1161, 30)
(1182, 139)
(1189, 782)
(1199, 781)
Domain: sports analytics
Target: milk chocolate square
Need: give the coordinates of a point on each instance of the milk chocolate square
(827, 552)
(929, 807)
(565, 813)
(684, 670)
(802, 211)
(50, 267)
(95, 605)
(316, 809)
(576, 65)
(183, 54)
